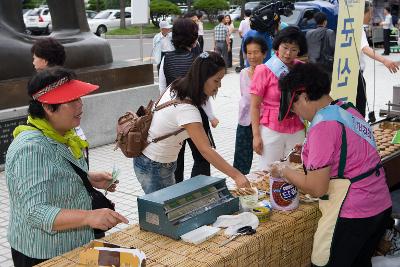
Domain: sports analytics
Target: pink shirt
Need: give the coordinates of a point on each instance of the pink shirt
(265, 85)
(244, 103)
(366, 197)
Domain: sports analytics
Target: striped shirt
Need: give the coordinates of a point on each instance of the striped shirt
(176, 64)
(220, 32)
(41, 182)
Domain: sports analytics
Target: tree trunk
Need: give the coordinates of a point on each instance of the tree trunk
(98, 5)
(189, 5)
(242, 9)
(122, 23)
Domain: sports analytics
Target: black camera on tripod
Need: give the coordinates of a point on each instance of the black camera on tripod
(266, 16)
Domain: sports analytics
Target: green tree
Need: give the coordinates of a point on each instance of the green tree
(32, 3)
(96, 5)
(116, 4)
(211, 7)
(161, 9)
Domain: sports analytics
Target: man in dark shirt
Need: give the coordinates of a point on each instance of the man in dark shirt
(321, 42)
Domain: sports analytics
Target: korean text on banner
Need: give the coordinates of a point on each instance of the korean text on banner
(140, 11)
(348, 38)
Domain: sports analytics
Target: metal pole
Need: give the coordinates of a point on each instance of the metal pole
(141, 42)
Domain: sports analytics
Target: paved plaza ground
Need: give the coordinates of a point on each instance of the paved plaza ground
(226, 109)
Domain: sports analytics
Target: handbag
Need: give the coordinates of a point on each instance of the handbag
(99, 201)
(133, 128)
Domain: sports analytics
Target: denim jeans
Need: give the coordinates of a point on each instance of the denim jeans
(153, 175)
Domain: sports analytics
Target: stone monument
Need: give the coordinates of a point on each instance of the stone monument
(90, 56)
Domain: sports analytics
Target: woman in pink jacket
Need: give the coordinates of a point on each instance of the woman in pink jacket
(272, 139)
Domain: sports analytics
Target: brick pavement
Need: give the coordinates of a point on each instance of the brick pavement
(226, 109)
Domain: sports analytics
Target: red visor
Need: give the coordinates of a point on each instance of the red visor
(63, 92)
(294, 93)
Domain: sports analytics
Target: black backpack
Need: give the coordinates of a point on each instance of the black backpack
(326, 55)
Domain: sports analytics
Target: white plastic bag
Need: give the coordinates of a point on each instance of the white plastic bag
(233, 222)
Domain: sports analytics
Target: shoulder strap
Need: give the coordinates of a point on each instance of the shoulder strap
(342, 161)
(83, 176)
(167, 104)
(343, 153)
(173, 102)
(155, 140)
(347, 105)
(159, 98)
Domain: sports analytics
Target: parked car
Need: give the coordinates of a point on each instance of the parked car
(106, 20)
(90, 14)
(235, 14)
(303, 14)
(251, 5)
(232, 8)
(25, 10)
(38, 20)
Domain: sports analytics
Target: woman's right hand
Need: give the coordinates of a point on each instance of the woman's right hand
(104, 219)
(258, 145)
(241, 181)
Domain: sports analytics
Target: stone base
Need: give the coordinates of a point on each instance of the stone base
(110, 77)
(101, 111)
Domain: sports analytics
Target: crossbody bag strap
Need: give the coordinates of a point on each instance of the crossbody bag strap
(83, 176)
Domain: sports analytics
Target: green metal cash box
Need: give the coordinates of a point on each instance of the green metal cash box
(183, 207)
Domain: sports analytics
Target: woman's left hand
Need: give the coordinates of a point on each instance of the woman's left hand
(276, 169)
(102, 180)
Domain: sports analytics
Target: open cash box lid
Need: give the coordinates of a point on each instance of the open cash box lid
(101, 253)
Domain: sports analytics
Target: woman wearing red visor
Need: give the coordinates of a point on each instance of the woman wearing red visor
(50, 208)
(343, 169)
